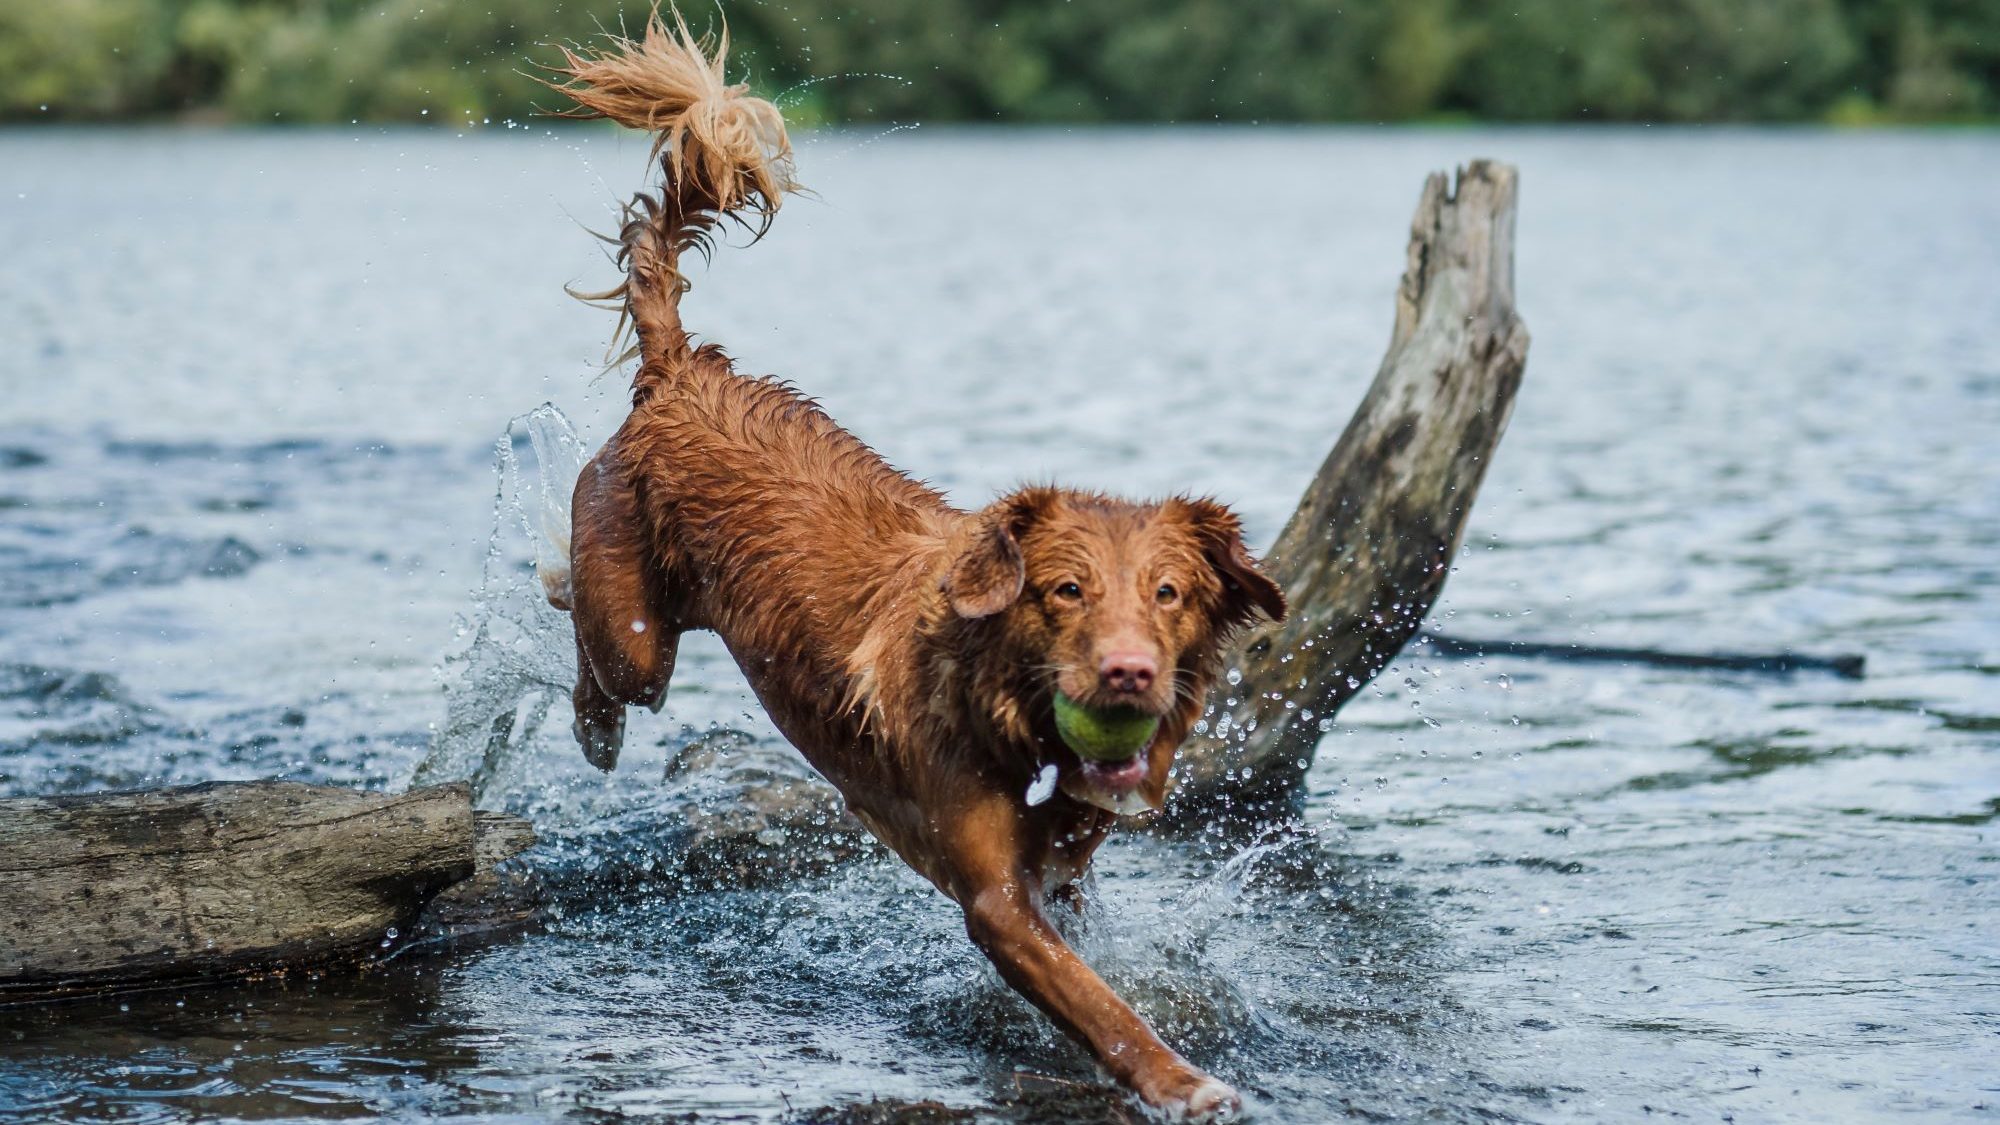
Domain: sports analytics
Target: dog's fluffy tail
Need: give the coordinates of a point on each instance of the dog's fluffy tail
(723, 154)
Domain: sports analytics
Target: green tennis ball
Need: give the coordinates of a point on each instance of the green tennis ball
(1107, 734)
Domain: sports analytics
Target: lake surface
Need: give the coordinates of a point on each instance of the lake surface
(250, 389)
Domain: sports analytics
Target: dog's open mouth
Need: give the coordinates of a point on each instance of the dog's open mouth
(1116, 777)
(1110, 741)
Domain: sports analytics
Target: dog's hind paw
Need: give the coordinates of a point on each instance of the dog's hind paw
(601, 744)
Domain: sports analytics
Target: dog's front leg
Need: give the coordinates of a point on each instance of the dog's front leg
(1003, 916)
(625, 644)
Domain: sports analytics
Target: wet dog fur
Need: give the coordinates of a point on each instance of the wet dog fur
(909, 650)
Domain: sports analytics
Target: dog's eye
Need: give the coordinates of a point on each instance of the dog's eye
(1166, 594)
(1069, 591)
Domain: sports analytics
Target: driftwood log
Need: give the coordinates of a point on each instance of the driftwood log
(1368, 548)
(111, 891)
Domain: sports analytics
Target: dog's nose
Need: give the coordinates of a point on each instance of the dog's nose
(1130, 672)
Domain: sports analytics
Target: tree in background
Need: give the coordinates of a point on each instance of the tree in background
(1036, 60)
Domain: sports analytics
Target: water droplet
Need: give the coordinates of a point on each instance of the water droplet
(1234, 677)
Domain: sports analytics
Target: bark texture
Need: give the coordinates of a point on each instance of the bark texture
(1368, 548)
(111, 890)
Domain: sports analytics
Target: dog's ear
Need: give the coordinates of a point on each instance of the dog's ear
(987, 572)
(1246, 589)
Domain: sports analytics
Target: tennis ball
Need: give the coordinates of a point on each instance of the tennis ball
(1103, 734)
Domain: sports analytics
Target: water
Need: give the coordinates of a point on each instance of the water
(252, 383)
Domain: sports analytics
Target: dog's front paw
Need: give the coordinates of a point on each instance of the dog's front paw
(1213, 1100)
(1193, 1096)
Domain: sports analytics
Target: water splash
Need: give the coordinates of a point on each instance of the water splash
(1204, 905)
(520, 658)
(559, 458)
(795, 94)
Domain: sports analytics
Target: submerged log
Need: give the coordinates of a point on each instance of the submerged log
(1368, 548)
(110, 891)
(1847, 665)
(499, 901)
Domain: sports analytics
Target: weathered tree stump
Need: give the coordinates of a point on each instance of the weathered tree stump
(1367, 550)
(107, 891)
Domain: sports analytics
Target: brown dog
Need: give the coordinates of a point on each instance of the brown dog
(919, 656)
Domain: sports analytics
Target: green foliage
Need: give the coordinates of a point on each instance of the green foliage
(1848, 61)
(80, 58)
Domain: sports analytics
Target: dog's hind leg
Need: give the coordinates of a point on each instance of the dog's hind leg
(625, 641)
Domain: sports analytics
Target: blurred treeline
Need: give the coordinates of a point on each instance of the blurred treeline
(1035, 60)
